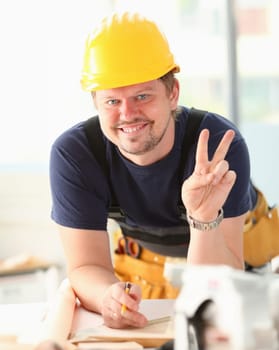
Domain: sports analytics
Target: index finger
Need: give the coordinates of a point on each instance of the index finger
(202, 151)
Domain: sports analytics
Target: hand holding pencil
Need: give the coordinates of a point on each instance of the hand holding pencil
(121, 304)
(127, 288)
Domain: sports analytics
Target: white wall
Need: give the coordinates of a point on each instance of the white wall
(25, 225)
(41, 55)
(263, 143)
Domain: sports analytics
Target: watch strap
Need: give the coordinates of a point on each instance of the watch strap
(206, 226)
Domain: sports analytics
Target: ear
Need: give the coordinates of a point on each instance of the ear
(174, 94)
(93, 94)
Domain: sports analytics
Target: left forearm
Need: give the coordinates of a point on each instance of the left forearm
(211, 248)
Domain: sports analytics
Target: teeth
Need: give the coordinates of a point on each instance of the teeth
(129, 130)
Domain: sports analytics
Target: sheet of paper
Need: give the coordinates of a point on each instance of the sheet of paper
(151, 308)
(157, 308)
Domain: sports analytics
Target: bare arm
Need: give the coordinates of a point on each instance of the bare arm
(204, 193)
(223, 245)
(92, 277)
(88, 260)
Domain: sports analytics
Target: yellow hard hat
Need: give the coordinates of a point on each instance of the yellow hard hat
(125, 49)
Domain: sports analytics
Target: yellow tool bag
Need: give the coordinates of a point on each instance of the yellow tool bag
(141, 266)
(261, 233)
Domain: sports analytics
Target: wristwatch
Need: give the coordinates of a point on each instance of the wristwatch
(206, 226)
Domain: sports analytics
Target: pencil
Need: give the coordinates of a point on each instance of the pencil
(127, 291)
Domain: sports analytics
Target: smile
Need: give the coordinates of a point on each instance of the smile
(129, 130)
(132, 129)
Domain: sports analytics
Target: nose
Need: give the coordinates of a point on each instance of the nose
(128, 110)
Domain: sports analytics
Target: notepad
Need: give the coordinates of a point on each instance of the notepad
(158, 331)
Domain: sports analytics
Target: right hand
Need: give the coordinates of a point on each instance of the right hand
(113, 300)
(206, 190)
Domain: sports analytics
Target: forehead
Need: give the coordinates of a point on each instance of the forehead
(149, 86)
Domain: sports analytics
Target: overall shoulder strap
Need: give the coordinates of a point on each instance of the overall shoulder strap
(97, 146)
(96, 141)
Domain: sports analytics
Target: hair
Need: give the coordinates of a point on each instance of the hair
(168, 80)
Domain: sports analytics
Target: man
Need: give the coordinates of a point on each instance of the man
(129, 70)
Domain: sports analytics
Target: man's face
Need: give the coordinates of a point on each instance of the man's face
(138, 119)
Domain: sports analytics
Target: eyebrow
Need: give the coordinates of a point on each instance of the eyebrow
(146, 89)
(138, 92)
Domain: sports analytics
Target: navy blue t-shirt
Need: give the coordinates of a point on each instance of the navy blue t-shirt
(148, 195)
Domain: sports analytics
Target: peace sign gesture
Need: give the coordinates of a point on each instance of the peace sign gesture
(207, 189)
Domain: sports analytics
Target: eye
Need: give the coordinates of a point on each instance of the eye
(142, 97)
(112, 102)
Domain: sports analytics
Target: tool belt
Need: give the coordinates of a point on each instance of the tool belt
(261, 233)
(136, 264)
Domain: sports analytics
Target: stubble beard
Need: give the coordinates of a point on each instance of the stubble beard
(148, 145)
